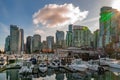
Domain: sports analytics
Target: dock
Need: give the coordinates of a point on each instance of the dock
(6, 68)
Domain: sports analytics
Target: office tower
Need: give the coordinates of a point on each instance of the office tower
(96, 38)
(7, 44)
(36, 43)
(50, 43)
(29, 44)
(44, 46)
(14, 39)
(22, 40)
(69, 37)
(59, 38)
(109, 27)
(81, 36)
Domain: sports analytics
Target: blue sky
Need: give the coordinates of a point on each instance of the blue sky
(21, 12)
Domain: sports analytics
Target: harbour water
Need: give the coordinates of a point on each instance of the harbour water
(51, 74)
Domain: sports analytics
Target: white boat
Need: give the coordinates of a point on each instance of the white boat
(2, 62)
(114, 64)
(26, 68)
(106, 61)
(79, 65)
(116, 71)
(93, 65)
(55, 63)
(43, 67)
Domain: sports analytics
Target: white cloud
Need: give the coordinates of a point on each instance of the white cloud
(92, 23)
(54, 15)
(116, 4)
(38, 31)
(90, 20)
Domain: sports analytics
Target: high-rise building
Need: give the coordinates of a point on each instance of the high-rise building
(109, 26)
(70, 27)
(69, 37)
(44, 46)
(36, 43)
(22, 40)
(96, 38)
(14, 39)
(29, 44)
(81, 36)
(7, 44)
(59, 38)
(50, 43)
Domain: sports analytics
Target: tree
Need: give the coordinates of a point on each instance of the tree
(109, 49)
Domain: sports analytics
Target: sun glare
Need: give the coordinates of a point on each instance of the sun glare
(116, 4)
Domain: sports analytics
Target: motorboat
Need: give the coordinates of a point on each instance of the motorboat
(26, 68)
(106, 61)
(114, 64)
(79, 65)
(43, 67)
(93, 65)
(11, 59)
(2, 62)
(55, 63)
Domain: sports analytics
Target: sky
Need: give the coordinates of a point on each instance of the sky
(44, 17)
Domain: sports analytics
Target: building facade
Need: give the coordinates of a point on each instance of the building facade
(7, 44)
(22, 40)
(69, 36)
(59, 39)
(36, 43)
(29, 45)
(109, 27)
(14, 39)
(96, 38)
(81, 36)
(50, 43)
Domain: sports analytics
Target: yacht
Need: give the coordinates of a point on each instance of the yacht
(43, 67)
(93, 65)
(26, 68)
(55, 63)
(2, 62)
(79, 65)
(106, 61)
(114, 64)
(11, 58)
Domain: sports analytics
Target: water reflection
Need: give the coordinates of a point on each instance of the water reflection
(12, 74)
(58, 75)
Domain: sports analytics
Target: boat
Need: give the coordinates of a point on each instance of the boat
(93, 65)
(106, 61)
(43, 67)
(114, 64)
(11, 58)
(2, 62)
(78, 65)
(26, 68)
(116, 71)
(55, 63)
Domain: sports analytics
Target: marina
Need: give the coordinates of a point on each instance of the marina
(30, 67)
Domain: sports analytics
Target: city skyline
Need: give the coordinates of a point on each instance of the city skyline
(27, 16)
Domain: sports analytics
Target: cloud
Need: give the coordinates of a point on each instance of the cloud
(54, 15)
(92, 23)
(38, 31)
(90, 20)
